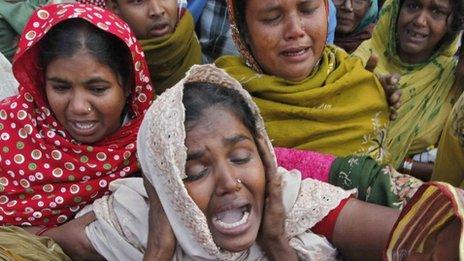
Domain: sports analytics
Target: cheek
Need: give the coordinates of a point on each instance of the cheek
(201, 193)
(57, 103)
(255, 178)
(318, 35)
(264, 41)
(109, 105)
(172, 11)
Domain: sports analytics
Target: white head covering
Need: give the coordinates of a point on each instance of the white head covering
(162, 154)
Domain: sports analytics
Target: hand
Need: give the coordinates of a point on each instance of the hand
(272, 232)
(161, 239)
(72, 238)
(389, 84)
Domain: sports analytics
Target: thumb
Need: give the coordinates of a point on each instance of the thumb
(88, 218)
(372, 62)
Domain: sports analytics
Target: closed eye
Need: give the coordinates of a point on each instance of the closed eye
(60, 87)
(241, 161)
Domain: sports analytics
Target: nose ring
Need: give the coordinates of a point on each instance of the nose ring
(89, 109)
(239, 184)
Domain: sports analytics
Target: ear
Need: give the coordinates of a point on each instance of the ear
(113, 6)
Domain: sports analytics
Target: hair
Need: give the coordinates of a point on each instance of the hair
(456, 25)
(74, 35)
(240, 13)
(199, 96)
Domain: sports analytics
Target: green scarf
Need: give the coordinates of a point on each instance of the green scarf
(340, 109)
(171, 56)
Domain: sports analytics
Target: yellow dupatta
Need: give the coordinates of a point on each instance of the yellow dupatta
(340, 109)
(171, 56)
(427, 92)
(449, 165)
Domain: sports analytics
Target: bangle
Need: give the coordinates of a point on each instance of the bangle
(43, 230)
(407, 165)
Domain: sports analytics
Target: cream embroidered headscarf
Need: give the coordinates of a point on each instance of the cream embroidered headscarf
(122, 223)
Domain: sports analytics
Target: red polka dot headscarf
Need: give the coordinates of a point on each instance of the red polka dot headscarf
(45, 175)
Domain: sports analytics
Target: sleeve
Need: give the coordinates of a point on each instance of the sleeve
(326, 226)
(433, 206)
(375, 184)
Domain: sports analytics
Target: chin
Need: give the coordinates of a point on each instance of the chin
(236, 245)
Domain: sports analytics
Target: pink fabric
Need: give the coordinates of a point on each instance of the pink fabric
(311, 164)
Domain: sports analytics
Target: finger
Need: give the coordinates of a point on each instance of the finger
(395, 97)
(267, 159)
(151, 192)
(372, 62)
(393, 80)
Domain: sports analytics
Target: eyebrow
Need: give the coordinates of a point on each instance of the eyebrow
(90, 81)
(277, 7)
(96, 80)
(438, 4)
(195, 155)
(56, 79)
(235, 139)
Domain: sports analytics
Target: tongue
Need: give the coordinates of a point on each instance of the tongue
(230, 216)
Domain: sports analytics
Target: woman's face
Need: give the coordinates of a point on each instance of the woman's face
(350, 13)
(287, 37)
(225, 178)
(85, 96)
(421, 26)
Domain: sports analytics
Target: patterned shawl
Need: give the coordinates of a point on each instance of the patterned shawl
(339, 109)
(45, 175)
(426, 88)
(162, 154)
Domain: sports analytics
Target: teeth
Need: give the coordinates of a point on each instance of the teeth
(295, 53)
(82, 125)
(416, 34)
(232, 225)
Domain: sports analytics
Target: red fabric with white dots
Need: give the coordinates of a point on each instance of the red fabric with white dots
(46, 176)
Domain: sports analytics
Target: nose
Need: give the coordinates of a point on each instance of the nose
(226, 181)
(155, 9)
(421, 19)
(79, 104)
(347, 5)
(295, 28)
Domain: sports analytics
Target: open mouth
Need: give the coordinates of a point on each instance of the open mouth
(295, 52)
(83, 128)
(159, 30)
(229, 220)
(415, 36)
